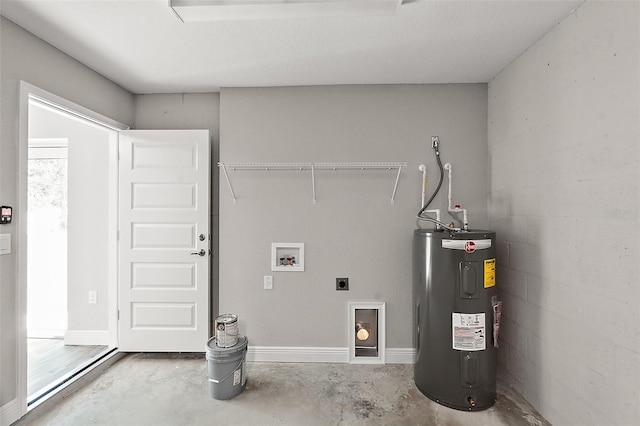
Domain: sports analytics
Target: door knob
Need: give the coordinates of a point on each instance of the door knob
(201, 253)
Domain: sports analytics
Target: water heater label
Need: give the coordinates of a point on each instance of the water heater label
(467, 245)
(469, 332)
(489, 273)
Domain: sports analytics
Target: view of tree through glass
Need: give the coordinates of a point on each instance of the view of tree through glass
(48, 186)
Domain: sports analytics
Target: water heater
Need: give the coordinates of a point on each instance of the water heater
(455, 311)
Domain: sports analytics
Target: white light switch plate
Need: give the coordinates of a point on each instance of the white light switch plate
(268, 282)
(5, 244)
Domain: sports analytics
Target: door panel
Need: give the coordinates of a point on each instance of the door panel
(162, 275)
(163, 315)
(164, 196)
(163, 236)
(164, 224)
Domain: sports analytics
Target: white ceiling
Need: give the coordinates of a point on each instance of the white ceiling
(145, 48)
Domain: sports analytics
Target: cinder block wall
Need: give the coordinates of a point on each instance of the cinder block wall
(563, 136)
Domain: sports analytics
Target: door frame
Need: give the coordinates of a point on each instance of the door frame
(30, 92)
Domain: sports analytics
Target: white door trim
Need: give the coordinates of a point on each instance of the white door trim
(31, 92)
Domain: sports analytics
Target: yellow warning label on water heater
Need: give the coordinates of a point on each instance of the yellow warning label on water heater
(489, 273)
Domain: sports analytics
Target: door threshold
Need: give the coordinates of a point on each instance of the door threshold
(69, 383)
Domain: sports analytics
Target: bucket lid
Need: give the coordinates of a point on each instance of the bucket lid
(213, 350)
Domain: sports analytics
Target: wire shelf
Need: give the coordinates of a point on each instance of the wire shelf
(312, 167)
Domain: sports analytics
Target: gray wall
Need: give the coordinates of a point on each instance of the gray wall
(189, 111)
(564, 198)
(353, 231)
(25, 57)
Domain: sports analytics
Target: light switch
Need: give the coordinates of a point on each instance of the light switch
(268, 282)
(5, 244)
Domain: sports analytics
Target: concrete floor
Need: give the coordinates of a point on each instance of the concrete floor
(165, 389)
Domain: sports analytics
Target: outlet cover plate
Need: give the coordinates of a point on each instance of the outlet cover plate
(342, 284)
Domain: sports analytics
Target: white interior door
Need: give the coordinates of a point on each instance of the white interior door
(164, 240)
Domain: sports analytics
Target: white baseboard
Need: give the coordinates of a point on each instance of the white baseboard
(320, 354)
(9, 412)
(45, 334)
(400, 356)
(86, 337)
(296, 354)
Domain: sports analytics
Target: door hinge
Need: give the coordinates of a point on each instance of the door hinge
(118, 314)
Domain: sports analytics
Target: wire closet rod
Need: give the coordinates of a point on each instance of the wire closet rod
(312, 167)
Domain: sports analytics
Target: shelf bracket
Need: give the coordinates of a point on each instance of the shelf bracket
(395, 187)
(226, 175)
(313, 183)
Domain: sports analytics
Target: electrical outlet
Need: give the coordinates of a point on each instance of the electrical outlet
(93, 297)
(5, 243)
(342, 284)
(268, 282)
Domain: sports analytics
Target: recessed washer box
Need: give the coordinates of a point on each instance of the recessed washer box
(287, 257)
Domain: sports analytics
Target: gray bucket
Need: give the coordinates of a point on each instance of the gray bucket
(226, 366)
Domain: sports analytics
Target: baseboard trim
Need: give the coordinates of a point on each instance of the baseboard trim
(86, 337)
(9, 412)
(400, 356)
(297, 354)
(320, 354)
